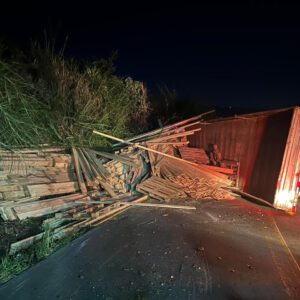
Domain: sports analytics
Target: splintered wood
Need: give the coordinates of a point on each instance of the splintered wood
(161, 189)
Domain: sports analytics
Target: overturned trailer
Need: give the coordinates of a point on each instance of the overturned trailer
(266, 145)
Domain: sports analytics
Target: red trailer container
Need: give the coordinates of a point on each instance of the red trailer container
(267, 145)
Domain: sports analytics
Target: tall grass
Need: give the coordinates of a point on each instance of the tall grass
(22, 116)
(48, 99)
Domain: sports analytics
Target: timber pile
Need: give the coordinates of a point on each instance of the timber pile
(196, 182)
(126, 174)
(196, 155)
(161, 189)
(84, 187)
(29, 175)
(171, 159)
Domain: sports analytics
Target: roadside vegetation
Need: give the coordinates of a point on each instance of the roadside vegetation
(13, 264)
(48, 99)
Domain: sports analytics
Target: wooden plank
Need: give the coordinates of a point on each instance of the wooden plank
(219, 169)
(151, 205)
(84, 165)
(122, 159)
(80, 179)
(25, 243)
(49, 206)
(170, 184)
(150, 194)
(39, 190)
(235, 190)
(32, 151)
(159, 205)
(27, 207)
(176, 135)
(162, 188)
(164, 129)
(9, 188)
(12, 195)
(169, 143)
(44, 177)
(98, 177)
(107, 188)
(92, 220)
(153, 194)
(99, 169)
(7, 214)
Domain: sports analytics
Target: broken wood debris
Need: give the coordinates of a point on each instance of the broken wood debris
(161, 189)
(82, 187)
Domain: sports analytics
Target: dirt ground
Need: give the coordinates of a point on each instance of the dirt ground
(12, 231)
(223, 250)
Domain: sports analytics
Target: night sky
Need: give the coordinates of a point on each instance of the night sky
(246, 56)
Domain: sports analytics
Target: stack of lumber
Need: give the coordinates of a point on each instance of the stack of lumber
(37, 183)
(196, 182)
(161, 189)
(197, 155)
(118, 175)
(28, 176)
(127, 169)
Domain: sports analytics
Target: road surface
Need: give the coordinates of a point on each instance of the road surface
(223, 250)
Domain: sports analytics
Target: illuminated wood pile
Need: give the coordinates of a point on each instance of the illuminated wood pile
(195, 182)
(79, 187)
(197, 155)
(161, 189)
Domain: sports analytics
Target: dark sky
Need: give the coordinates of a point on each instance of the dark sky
(246, 55)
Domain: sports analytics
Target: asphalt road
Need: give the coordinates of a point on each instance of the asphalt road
(223, 250)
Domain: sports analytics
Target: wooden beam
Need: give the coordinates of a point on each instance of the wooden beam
(80, 179)
(208, 172)
(219, 169)
(109, 212)
(43, 207)
(176, 135)
(235, 190)
(39, 190)
(124, 160)
(167, 127)
(169, 143)
(159, 205)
